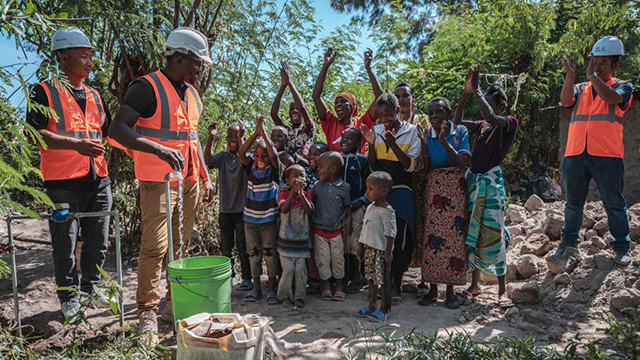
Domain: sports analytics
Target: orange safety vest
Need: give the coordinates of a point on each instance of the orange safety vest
(173, 126)
(596, 125)
(62, 164)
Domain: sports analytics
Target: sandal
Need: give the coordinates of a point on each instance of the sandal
(395, 300)
(326, 295)
(245, 285)
(339, 296)
(469, 294)
(426, 300)
(253, 296)
(272, 298)
(364, 312)
(504, 302)
(312, 288)
(378, 316)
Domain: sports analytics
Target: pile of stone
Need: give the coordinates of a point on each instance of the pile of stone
(583, 278)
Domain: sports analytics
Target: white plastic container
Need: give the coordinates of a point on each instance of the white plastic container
(239, 345)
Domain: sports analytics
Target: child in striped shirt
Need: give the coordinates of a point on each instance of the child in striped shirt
(261, 211)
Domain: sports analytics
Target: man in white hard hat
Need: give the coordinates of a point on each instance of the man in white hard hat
(594, 146)
(158, 121)
(73, 166)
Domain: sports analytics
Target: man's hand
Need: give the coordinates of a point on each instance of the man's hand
(368, 57)
(213, 129)
(330, 56)
(368, 134)
(208, 192)
(89, 147)
(171, 156)
(592, 67)
(570, 66)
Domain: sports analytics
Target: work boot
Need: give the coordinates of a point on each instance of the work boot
(70, 307)
(623, 257)
(562, 248)
(148, 328)
(167, 313)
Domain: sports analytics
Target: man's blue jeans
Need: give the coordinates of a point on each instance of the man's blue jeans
(608, 174)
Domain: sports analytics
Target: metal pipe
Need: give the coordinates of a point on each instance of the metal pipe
(116, 219)
(14, 273)
(167, 196)
(14, 277)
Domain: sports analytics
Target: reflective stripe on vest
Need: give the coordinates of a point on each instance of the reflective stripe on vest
(61, 126)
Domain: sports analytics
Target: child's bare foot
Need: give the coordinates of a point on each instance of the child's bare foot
(473, 291)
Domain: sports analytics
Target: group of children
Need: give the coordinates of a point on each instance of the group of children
(319, 216)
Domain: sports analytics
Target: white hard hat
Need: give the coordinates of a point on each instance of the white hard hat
(608, 46)
(70, 38)
(187, 40)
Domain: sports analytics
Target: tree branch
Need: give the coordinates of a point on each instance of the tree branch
(196, 5)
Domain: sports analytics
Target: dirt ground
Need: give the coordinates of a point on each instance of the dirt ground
(322, 330)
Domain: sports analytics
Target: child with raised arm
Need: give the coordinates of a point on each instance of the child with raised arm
(376, 245)
(261, 211)
(232, 187)
(355, 172)
(331, 198)
(345, 104)
(299, 135)
(293, 244)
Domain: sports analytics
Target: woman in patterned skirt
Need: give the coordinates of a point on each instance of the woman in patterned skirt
(487, 239)
(444, 259)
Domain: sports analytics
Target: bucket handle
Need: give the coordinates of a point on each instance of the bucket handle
(201, 295)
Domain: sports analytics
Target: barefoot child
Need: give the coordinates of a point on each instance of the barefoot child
(293, 244)
(299, 135)
(331, 198)
(261, 211)
(355, 172)
(232, 180)
(376, 244)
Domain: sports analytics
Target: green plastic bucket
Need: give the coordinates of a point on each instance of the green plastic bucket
(200, 284)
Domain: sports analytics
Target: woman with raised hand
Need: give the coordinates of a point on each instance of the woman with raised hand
(345, 104)
(487, 238)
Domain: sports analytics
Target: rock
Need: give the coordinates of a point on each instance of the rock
(536, 244)
(553, 226)
(516, 240)
(515, 230)
(528, 266)
(516, 213)
(512, 312)
(533, 203)
(562, 279)
(626, 299)
(462, 319)
(565, 263)
(604, 262)
(590, 234)
(598, 242)
(488, 279)
(512, 271)
(530, 223)
(538, 317)
(634, 209)
(588, 219)
(634, 230)
(601, 227)
(528, 293)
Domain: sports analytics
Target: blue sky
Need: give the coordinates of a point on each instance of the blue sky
(324, 13)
